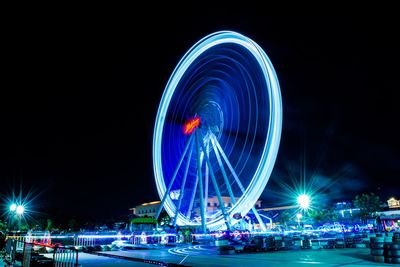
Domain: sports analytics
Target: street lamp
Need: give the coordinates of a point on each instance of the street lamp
(304, 201)
(20, 210)
(16, 213)
(13, 207)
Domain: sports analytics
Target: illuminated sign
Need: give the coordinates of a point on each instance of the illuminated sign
(393, 203)
(191, 125)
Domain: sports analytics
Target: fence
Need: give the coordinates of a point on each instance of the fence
(17, 249)
(65, 257)
(85, 241)
(155, 239)
(27, 254)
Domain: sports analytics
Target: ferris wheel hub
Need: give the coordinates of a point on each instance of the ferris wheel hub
(212, 119)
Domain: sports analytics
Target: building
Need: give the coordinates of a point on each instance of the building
(212, 205)
(390, 219)
(149, 209)
(393, 203)
(346, 209)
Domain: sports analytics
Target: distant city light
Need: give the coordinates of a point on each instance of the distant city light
(299, 216)
(304, 201)
(20, 210)
(13, 207)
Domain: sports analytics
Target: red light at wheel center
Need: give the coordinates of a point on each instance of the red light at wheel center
(191, 125)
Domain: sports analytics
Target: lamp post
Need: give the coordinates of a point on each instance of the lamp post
(299, 216)
(304, 202)
(16, 212)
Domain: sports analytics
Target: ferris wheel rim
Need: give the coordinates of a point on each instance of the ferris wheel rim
(270, 150)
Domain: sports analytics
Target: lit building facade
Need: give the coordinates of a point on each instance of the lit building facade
(346, 209)
(212, 205)
(393, 203)
(149, 209)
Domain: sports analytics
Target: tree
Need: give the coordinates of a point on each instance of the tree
(24, 226)
(368, 205)
(318, 216)
(331, 214)
(284, 218)
(49, 226)
(164, 219)
(322, 216)
(72, 224)
(3, 226)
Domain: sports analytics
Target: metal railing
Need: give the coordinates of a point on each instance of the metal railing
(17, 249)
(65, 257)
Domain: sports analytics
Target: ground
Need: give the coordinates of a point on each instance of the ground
(205, 256)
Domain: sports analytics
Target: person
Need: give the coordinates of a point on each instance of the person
(193, 236)
(2, 240)
(379, 224)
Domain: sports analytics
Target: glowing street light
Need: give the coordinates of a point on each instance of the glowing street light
(16, 214)
(20, 209)
(304, 201)
(13, 207)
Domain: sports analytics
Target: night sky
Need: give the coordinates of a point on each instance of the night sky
(79, 99)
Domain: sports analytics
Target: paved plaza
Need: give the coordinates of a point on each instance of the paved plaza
(208, 256)
(199, 256)
(203, 256)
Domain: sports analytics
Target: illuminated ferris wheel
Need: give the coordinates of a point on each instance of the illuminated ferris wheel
(217, 132)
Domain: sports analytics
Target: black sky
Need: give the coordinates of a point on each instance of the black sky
(79, 99)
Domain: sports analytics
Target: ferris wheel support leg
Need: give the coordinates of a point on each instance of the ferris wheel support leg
(173, 177)
(228, 163)
(228, 185)
(253, 209)
(193, 196)
(201, 193)
(182, 190)
(196, 182)
(262, 224)
(206, 177)
(221, 166)
(215, 185)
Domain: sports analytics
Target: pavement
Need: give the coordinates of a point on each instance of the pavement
(208, 256)
(190, 255)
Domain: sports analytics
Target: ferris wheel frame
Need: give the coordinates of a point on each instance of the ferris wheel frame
(270, 150)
